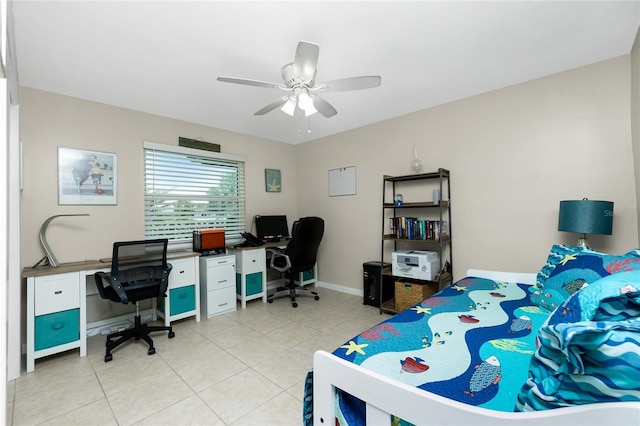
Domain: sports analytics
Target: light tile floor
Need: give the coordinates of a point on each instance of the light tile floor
(242, 368)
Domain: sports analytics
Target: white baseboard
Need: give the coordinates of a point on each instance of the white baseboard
(342, 289)
(273, 284)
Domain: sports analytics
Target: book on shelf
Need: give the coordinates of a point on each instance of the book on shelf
(412, 228)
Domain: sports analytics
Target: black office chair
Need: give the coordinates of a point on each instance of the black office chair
(139, 270)
(299, 256)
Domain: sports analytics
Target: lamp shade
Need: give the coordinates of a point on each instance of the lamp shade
(586, 216)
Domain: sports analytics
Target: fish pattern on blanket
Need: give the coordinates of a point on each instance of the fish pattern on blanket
(471, 342)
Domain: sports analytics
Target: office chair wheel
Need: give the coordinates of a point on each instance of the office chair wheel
(172, 335)
(317, 297)
(151, 351)
(108, 358)
(270, 300)
(294, 304)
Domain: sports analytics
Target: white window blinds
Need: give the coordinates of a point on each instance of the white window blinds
(188, 189)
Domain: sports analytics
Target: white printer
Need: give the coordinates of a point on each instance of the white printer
(422, 265)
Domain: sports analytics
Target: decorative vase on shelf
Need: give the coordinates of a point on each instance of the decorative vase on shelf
(416, 164)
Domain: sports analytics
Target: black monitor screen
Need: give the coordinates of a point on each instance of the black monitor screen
(272, 228)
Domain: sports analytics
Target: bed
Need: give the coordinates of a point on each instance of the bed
(407, 382)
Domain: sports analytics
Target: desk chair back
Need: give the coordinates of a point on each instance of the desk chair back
(299, 256)
(139, 270)
(305, 240)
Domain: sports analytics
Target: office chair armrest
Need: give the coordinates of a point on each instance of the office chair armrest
(114, 282)
(275, 254)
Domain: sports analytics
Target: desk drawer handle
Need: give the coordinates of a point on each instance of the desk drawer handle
(222, 281)
(182, 296)
(181, 272)
(57, 326)
(57, 292)
(222, 304)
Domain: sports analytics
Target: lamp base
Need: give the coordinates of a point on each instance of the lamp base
(582, 241)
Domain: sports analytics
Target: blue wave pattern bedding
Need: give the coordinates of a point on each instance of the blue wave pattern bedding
(589, 348)
(471, 342)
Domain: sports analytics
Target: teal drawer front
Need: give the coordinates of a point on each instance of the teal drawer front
(57, 328)
(182, 299)
(307, 275)
(254, 283)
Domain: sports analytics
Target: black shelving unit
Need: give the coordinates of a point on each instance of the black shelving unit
(417, 208)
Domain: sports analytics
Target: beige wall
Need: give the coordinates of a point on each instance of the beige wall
(513, 154)
(635, 115)
(48, 120)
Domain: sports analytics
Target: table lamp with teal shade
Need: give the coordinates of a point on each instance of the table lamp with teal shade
(586, 217)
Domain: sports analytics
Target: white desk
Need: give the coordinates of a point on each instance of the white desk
(251, 272)
(56, 302)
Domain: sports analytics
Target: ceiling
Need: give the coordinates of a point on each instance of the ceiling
(163, 57)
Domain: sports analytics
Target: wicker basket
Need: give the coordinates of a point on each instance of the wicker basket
(408, 294)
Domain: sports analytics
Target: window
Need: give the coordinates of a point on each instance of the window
(187, 189)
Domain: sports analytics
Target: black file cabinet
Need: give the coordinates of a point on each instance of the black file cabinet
(371, 283)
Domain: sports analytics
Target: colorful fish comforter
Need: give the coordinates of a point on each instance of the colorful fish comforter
(471, 342)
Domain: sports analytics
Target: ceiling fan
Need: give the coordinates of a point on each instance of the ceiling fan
(299, 81)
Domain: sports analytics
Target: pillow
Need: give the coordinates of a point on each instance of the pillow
(588, 304)
(547, 300)
(569, 268)
(588, 348)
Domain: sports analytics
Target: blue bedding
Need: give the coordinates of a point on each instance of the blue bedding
(491, 344)
(472, 343)
(589, 348)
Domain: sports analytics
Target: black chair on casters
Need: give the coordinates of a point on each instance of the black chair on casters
(139, 270)
(299, 256)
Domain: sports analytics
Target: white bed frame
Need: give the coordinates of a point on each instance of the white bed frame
(384, 395)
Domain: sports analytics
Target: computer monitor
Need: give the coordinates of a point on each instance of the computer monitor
(272, 228)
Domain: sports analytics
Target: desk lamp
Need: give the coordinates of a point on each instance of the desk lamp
(49, 258)
(586, 217)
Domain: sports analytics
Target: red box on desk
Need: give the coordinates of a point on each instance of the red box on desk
(209, 241)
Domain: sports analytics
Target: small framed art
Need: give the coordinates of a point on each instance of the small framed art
(272, 180)
(87, 177)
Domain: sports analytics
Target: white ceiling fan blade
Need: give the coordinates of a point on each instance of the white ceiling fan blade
(273, 105)
(252, 82)
(306, 60)
(323, 106)
(351, 83)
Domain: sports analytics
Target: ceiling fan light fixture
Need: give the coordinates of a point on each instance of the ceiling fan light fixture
(305, 103)
(289, 107)
(310, 110)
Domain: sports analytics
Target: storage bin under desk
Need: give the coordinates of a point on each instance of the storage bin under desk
(183, 293)
(251, 275)
(182, 299)
(55, 315)
(56, 329)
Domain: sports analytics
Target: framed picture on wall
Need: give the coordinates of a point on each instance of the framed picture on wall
(87, 177)
(272, 180)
